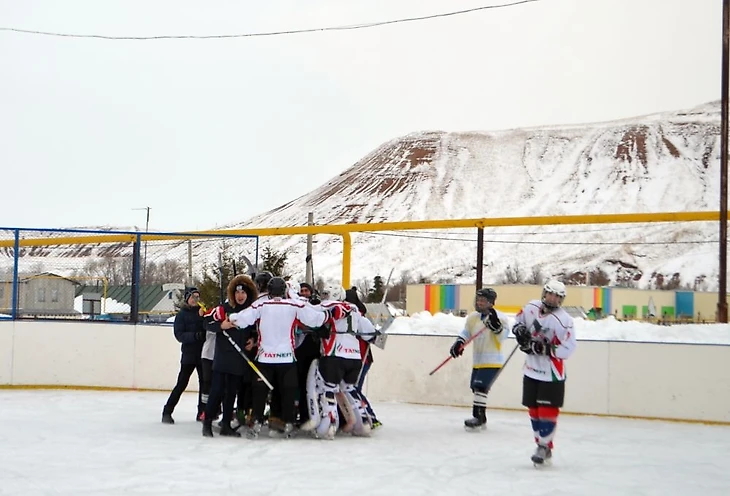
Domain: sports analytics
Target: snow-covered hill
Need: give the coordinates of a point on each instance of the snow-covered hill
(657, 163)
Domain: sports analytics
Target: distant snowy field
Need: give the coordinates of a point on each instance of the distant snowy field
(608, 329)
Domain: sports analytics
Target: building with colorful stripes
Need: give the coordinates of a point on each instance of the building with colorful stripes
(623, 303)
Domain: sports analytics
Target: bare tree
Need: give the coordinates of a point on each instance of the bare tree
(536, 276)
(513, 275)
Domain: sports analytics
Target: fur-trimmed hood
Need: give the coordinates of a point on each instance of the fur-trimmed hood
(248, 285)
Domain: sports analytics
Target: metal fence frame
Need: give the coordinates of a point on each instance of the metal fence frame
(102, 236)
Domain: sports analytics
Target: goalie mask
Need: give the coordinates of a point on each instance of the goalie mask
(553, 294)
(335, 293)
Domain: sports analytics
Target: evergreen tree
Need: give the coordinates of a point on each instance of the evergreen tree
(274, 261)
(216, 277)
(375, 294)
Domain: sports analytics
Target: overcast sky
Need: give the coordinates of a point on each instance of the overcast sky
(212, 132)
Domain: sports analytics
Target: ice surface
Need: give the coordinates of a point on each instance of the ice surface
(62, 442)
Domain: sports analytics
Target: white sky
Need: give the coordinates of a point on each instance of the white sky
(92, 129)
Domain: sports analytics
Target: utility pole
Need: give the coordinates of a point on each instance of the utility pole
(309, 276)
(722, 292)
(190, 263)
(146, 230)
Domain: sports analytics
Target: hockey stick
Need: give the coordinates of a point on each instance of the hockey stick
(494, 379)
(465, 344)
(535, 325)
(240, 352)
(253, 365)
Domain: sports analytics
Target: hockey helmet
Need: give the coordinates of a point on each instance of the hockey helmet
(553, 286)
(262, 280)
(277, 287)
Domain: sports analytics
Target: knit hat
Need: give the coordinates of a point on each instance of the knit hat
(189, 292)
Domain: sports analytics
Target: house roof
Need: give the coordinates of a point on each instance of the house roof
(46, 275)
(149, 295)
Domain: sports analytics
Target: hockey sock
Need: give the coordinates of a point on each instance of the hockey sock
(480, 399)
(535, 421)
(548, 416)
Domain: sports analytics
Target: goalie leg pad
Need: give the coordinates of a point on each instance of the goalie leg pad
(362, 423)
(314, 392)
(328, 424)
(344, 401)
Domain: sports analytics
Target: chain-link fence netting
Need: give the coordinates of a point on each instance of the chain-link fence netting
(112, 275)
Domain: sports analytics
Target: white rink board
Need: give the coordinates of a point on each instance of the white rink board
(674, 381)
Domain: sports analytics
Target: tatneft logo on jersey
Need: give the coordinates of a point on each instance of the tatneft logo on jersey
(533, 369)
(268, 354)
(344, 349)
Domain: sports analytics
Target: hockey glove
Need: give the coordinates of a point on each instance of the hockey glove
(339, 312)
(315, 299)
(217, 314)
(200, 336)
(323, 332)
(492, 321)
(522, 334)
(540, 347)
(457, 349)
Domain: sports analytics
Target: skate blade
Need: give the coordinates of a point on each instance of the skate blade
(542, 464)
(475, 429)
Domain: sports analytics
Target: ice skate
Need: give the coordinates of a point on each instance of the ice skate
(309, 425)
(475, 424)
(254, 430)
(227, 430)
(478, 422)
(207, 429)
(288, 430)
(543, 456)
(167, 418)
(329, 434)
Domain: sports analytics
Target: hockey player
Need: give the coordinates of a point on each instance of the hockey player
(366, 355)
(491, 327)
(229, 366)
(307, 350)
(275, 319)
(544, 332)
(340, 366)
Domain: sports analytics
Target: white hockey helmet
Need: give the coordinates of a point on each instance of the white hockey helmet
(333, 292)
(553, 286)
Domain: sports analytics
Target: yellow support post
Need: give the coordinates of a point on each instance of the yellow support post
(346, 256)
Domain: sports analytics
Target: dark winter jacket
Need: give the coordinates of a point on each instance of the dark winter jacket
(227, 359)
(190, 331)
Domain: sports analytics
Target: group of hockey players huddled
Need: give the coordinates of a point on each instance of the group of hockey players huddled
(305, 355)
(272, 356)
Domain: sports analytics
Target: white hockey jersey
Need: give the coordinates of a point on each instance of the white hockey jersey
(343, 341)
(557, 328)
(276, 321)
(487, 347)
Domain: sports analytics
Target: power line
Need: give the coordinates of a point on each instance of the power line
(473, 240)
(269, 33)
(541, 232)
